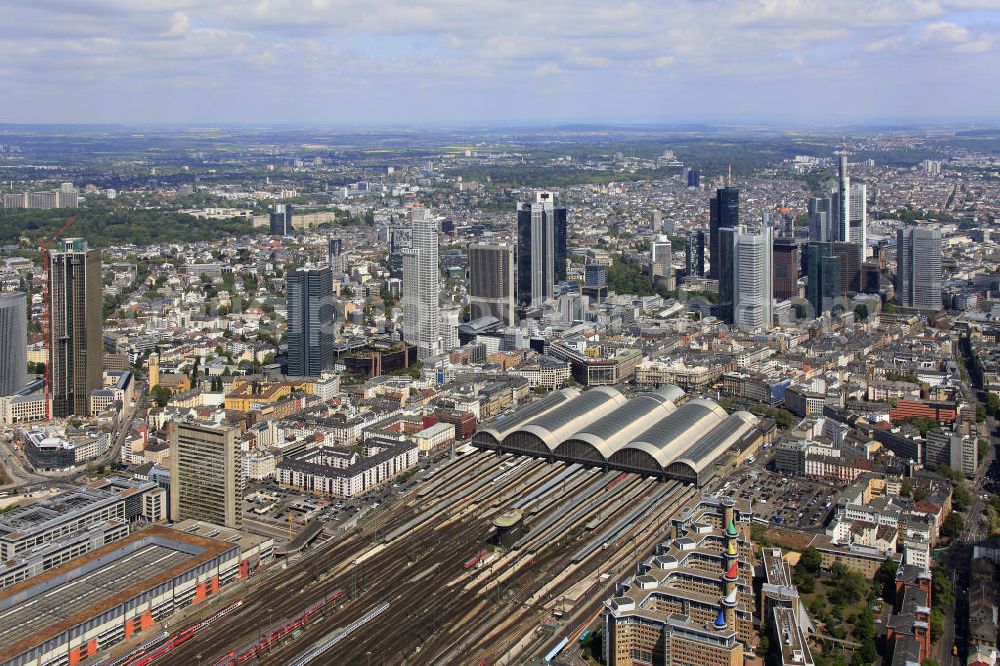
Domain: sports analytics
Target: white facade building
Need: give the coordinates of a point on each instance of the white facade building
(421, 318)
(752, 279)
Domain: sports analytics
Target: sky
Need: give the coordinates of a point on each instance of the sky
(454, 62)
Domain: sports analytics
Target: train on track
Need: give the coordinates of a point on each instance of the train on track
(252, 651)
(621, 477)
(147, 655)
(472, 561)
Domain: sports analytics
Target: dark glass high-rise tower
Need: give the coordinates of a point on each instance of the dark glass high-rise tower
(787, 262)
(491, 281)
(850, 266)
(559, 219)
(724, 213)
(281, 220)
(726, 258)
(694, 253)
(541, 249)
(76, 321)
(823, 277)
(310, 321)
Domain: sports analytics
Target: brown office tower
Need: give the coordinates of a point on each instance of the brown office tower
(76, 322)
(787, 263)
(491, 281)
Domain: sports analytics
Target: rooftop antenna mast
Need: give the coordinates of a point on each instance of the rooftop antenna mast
(729, 178)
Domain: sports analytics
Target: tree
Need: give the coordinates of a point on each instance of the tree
(937, 624)
(993, 403)
(949, 472)
(952, 525)
(942, 592)
(811, 560)
(868, 653)
(851, 587)
(806, 583)
(984, 447)
(161, 395)
(886, 576)
(861, 312)
(960, 498)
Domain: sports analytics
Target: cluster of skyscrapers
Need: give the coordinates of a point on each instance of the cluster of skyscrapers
(496, 288)
(541, 263)
(755, 270)
(741, 262)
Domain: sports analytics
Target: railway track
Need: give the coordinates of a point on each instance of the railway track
(437, 610)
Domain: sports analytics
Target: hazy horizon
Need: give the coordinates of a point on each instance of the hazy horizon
(500, 63)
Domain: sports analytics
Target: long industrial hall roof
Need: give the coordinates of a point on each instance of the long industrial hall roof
(653, 433)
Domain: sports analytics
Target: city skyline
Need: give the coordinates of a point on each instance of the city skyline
(444, 63)
(325, 343)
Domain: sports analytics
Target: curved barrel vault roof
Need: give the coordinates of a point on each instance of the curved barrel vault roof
(600, 426)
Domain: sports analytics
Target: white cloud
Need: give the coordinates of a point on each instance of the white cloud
(751, 52)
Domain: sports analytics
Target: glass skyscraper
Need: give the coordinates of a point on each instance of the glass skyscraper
(918, 267)
(310, 321)
(541, 249)
(724, 213)
(823, 278)
(76, 318)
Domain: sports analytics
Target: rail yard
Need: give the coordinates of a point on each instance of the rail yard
(427, 583)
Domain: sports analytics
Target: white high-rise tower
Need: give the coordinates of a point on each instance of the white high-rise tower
(752, 278)
(421, 318)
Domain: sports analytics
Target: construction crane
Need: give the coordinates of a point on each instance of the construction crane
(46, 299)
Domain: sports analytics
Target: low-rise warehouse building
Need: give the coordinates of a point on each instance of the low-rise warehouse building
(648, 434)
(69, 613)
(31, 525)
(255, 550)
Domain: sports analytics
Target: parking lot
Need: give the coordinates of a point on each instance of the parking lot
(789, 502)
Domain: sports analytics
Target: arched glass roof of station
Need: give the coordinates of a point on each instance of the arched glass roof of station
(601, 426)
(709, 447)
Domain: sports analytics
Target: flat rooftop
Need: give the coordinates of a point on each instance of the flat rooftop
(41, 608)
(44, 514)
(244, 540)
